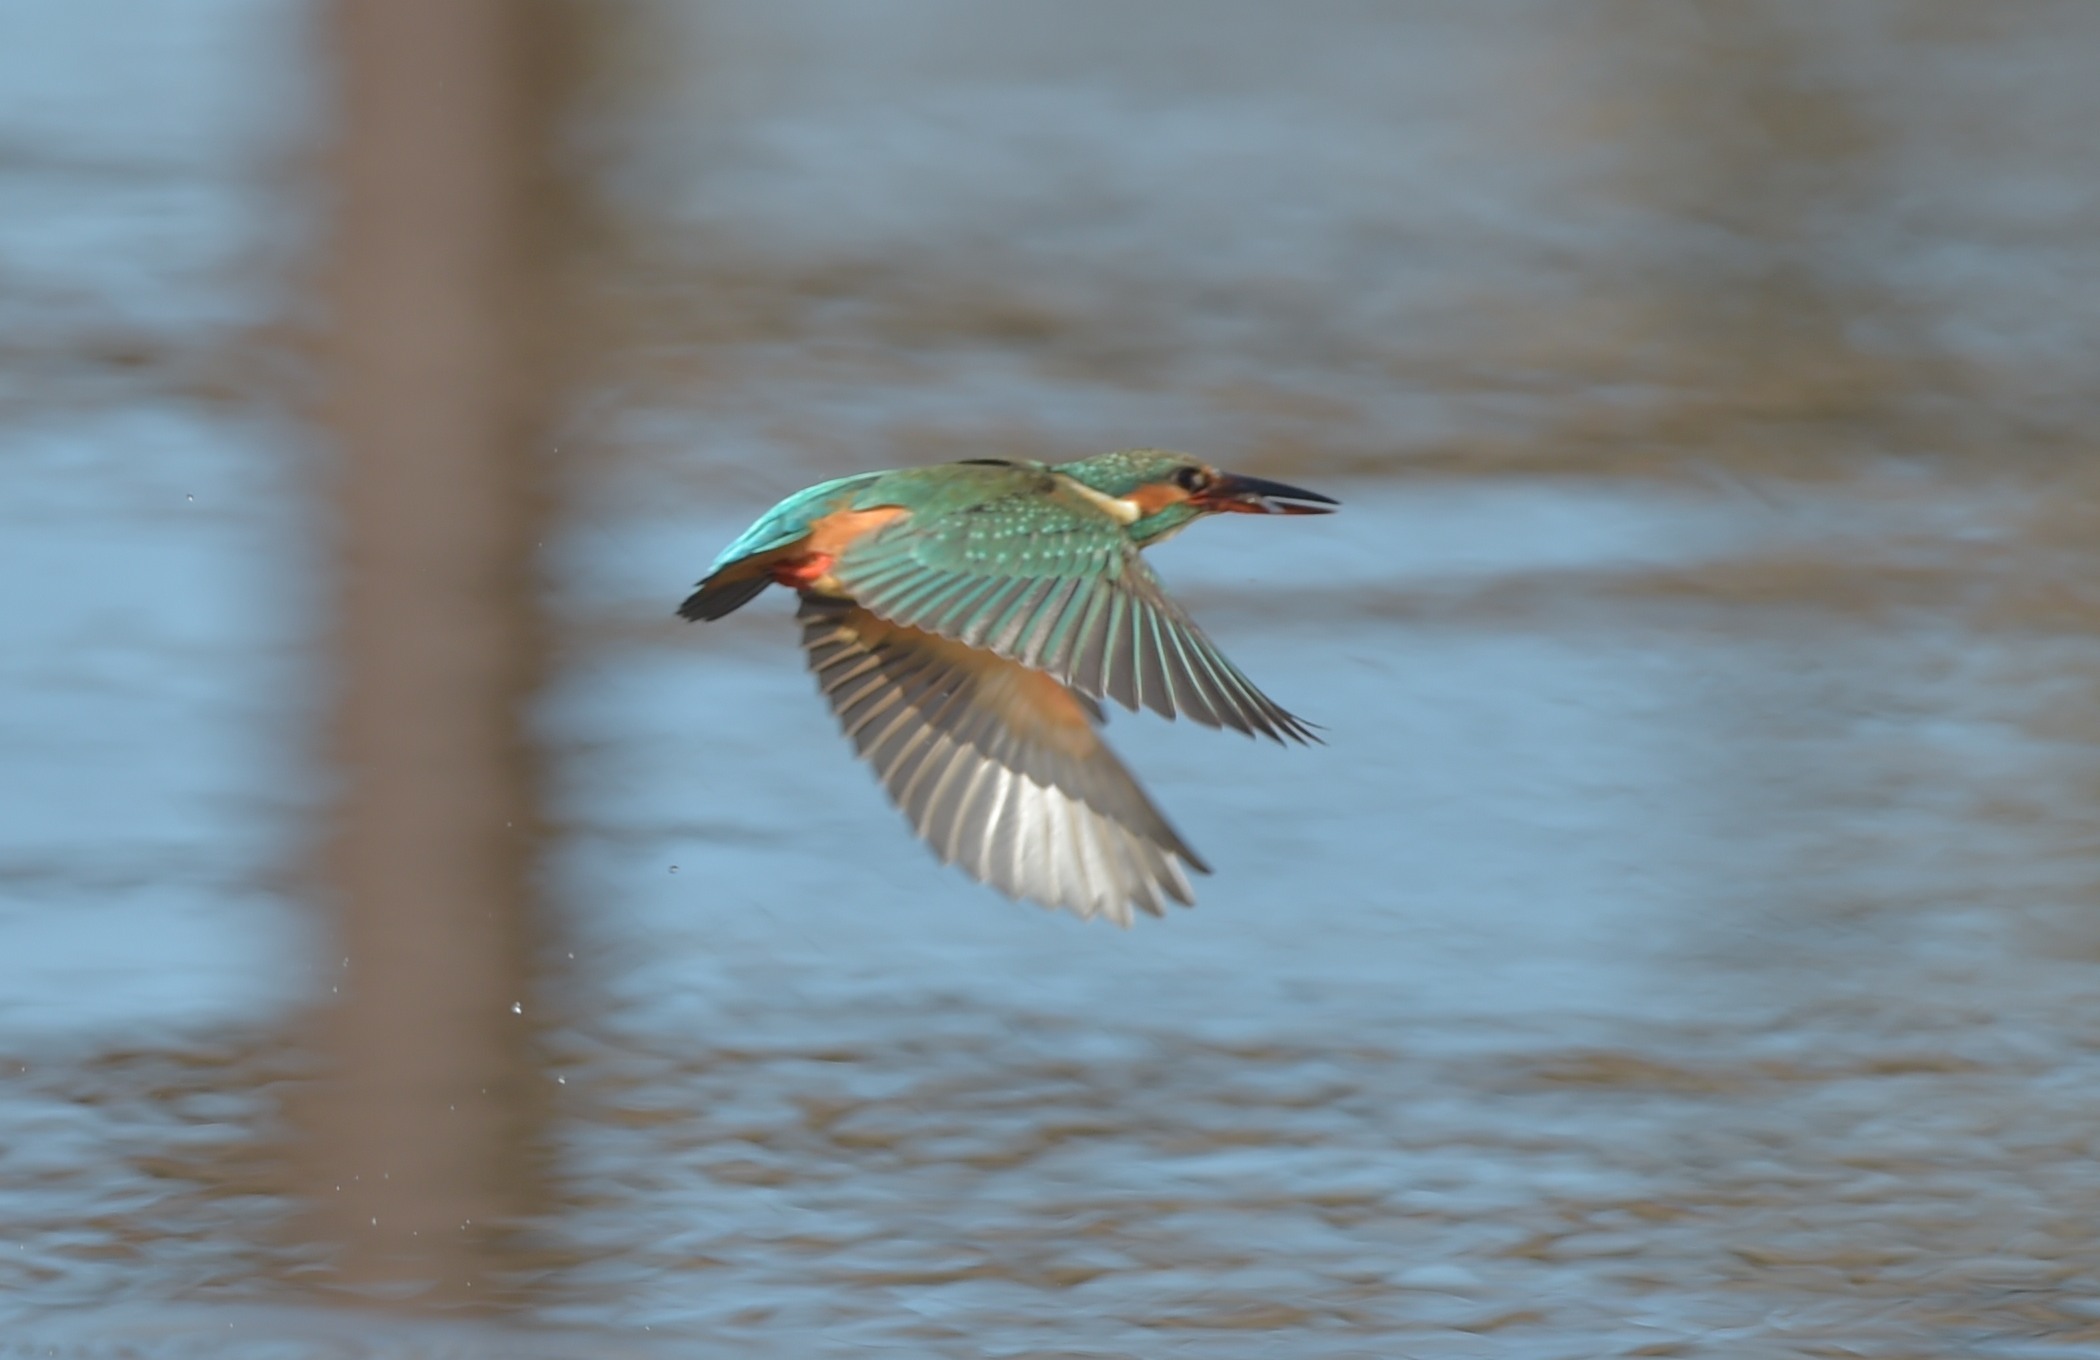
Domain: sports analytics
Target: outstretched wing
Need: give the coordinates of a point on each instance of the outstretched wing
(1046, 577)
(999, 768)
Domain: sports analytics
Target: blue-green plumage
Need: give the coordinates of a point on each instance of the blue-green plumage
(964, 619)
(792, 518)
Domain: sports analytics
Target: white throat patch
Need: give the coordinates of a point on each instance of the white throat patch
(1122, 511)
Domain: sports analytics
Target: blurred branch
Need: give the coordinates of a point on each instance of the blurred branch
(441, 312)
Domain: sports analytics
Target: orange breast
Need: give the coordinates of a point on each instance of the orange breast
(839, 530)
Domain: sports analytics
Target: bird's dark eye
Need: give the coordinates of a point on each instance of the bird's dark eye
(1192, 479)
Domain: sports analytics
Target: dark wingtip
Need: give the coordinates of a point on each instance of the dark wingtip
(1284, 724)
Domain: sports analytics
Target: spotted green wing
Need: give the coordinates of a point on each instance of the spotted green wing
(1045, 576)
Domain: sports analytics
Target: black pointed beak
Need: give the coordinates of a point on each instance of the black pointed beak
(1260, 496)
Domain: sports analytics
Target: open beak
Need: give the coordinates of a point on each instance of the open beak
(1260, 496)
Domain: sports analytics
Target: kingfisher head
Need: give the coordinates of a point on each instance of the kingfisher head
(1160, 491)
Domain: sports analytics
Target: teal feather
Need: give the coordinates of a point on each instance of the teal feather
(1036, 565)
(792, 518)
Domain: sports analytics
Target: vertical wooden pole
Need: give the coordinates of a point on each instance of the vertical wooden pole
(421, 1137)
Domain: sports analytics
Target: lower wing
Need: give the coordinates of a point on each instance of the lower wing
(998, 767)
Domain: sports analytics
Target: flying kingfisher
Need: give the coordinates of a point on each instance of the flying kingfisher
(964, 620)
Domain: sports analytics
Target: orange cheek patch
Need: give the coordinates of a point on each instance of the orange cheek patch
(1150, 500)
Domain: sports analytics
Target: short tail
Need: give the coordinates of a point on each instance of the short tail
(723, 594)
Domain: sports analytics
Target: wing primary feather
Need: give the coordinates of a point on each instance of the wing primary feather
(1119, 674)
(912, 600)
(1144, 895)
(1102, 891)
(1004, 635)
(1062, 853)
(849, 678)
(905, 719)
(985, 618)
(955, 594)
(878, 700)
(1126, 867)
(939, 802)
(917, 796)
(1276, 723)
(914, 795)
(906, 768)
(969, 842)
(1013, 831)
(834, 674)
(1088, 639)
(918, 598)
(1059, 642)
(855, 692)
(1062, 848)
(1223, 694)
(1151, 862)
(916, 680)
(928, 712)
(1014, 836)
(1040, 630)
(884, 574)
(867, 705)
(956, 610)
(968, 815)
(1035, 848)
(1098, 657)
(947, 801)
(1188, 688)
(1152, 661)
(1245, 698)
(944, 806)
(1128, 664)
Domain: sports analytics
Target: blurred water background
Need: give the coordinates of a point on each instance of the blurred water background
(1684, 945)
